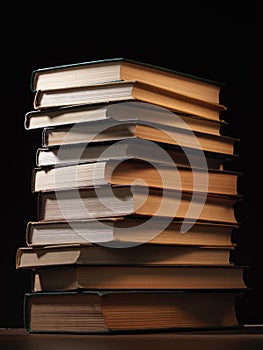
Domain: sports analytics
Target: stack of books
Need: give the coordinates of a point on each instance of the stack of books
(137, 199)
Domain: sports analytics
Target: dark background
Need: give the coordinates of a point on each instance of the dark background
(213, 41)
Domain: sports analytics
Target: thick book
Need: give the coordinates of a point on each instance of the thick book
(123, 69)
(128, 91)
(116, 254)
(122, 111)
(128, 171)
(97, 311)
(109, 130)
(79, 277)
(124, 230)
(111, 201)
(134, 148)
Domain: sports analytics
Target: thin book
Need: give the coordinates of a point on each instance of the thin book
(83, 277)
(117, 230)
(133, 148)
(117, 254)
(109, 130)
(121, 111)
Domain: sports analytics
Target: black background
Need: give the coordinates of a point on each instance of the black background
(214, 41)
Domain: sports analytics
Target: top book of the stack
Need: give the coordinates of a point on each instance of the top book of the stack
(102, 71)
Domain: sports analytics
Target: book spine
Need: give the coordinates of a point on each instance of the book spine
(45, 137)
(28, 234)
(26, 313)
(37, 98)
(39, 206)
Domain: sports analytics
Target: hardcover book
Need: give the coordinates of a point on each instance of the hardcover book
(97, 311)
(82, 277)
(109, 130)
(117, 230)
(121, 111)
(127, 172)
(143, 254)
(137, 149)
(111, 201)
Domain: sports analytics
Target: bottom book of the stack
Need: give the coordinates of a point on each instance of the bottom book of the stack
(108, 311)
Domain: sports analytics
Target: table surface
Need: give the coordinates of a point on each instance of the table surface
(241, 339)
